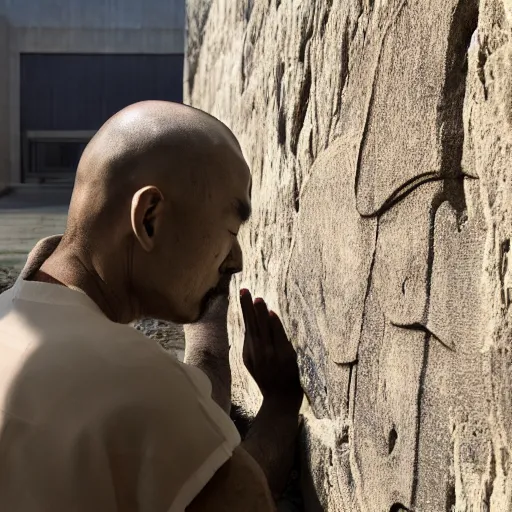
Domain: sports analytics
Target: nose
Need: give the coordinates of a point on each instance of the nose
(234, 262)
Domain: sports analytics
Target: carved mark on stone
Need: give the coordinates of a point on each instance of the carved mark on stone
(301, 108)
(263, 260)
(248, 9)
(281, 127)
(450, 497)
(505, 249)
(351, 392)
(505, 290)
(307, 36)
(451, 107)
(482, 60)
(325, 20)
(281, 118)
(328, 473)
(242, 64)
(355, 25)
(393, 436)
(296, 194)
(279, 82)
(420, 327)
(403, 191)
(345, 64)
(321, 290)
(398, 507)
(489, 484)
(342, 438)
(421, 389)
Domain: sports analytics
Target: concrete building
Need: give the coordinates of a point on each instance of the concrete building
(68, 65)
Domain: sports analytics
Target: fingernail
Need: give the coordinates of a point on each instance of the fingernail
(244, 291)
(258, 300)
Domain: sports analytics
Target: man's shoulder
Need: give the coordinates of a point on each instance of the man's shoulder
(85, 362)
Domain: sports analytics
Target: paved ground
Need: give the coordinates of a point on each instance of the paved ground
(26, 216)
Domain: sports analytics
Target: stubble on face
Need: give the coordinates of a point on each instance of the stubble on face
(221, 290)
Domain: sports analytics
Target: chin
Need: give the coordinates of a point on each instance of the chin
(189, 317)
(204, 306)
(193, 315)
(170, 314)
(199, 316)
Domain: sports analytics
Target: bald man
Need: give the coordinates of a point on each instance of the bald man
(93, 415)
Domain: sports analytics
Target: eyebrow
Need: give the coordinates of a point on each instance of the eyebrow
(243, 210)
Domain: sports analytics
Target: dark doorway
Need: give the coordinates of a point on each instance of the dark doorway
(52, 158)
(65, 98)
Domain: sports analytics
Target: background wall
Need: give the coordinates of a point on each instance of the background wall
(70, 27)
(108, 14)
(4, 102)
(379, 134)
(98, 25)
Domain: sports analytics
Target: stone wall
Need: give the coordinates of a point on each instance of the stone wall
(379, 134)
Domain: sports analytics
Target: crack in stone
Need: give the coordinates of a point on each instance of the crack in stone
(300, 111)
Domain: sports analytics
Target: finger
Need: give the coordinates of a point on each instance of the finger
(251, 330)
(247, 357)
(251, 326)
(264, 328)
(281, 341)
(277, 327)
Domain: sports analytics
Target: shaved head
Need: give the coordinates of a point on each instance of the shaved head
(160, 193)
(147, 143)
(148, 128)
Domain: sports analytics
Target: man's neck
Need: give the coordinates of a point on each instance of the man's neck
(43, 277)
(69, 268)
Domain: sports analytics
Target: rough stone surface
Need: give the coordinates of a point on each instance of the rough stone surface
(170, 336)
(7, 278)
(379, 134)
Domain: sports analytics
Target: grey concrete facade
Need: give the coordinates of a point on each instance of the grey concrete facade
(4, 103)
(74, 26)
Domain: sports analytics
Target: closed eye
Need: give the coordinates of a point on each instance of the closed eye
(234, 234)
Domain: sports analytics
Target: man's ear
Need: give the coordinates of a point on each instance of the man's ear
(146, 206)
